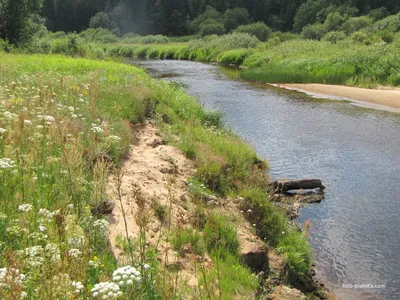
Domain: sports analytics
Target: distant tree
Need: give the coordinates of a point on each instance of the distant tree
(99, 20)
(17, 19)
(236, 17)
(259, 30)
(210, 14)
(310, 12)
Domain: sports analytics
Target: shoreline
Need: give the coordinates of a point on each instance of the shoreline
(382, 98)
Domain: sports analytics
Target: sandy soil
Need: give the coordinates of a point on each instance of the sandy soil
(383, 96)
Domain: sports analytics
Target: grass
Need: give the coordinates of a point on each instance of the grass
(60, 117)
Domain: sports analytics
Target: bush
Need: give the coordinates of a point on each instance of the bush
(259, 30)
(212, 28)
(378, 14)
(355, 24)
(72, 44)
(313, 32)
(233, 57)
(334, 36)
(333, 21)
(155, 39)
(99, 35)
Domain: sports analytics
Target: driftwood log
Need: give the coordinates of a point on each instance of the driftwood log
(283, 186)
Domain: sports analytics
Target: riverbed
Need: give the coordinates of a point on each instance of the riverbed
(355, 231)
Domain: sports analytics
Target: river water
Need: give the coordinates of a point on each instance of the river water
(355, 231)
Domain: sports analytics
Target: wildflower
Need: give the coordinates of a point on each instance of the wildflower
(71, 109)
(7, 163)
(7, 115)
(27, 123)
(49, 119)
(25, 207)
(126, 275)
(254, 225)
(106, 290)
(249, 210)
(53, 252)
(283, 232)
(2, 130)
(74, 253)
(146, 266)
(78, 286)
(10, 275)
(74, 116)
(42, 228)
(113, 139)
(96, 129)
(101, 225)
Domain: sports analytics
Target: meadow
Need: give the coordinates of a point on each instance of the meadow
(65, 124)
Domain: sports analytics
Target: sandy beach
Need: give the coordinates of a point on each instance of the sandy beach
(384, 96)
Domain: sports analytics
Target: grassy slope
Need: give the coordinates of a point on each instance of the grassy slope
(295, 61)
(59, 116)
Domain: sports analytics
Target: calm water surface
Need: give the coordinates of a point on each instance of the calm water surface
(355, 151)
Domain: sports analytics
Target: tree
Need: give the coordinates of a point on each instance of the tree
(236, 17)
(17, 19)
(99, 20)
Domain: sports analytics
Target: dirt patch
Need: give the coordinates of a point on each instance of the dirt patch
(160, 172)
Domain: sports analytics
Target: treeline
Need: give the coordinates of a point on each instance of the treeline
(19, 18)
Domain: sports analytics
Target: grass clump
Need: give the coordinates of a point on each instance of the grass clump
(272, 226)
(188, 237)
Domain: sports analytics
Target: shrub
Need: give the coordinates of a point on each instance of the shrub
(72, 44)
(378, 14)
(333, 21)
(313, 32)
(99, 35)
(212, 28)
(233, 57)
(334, 36)
(355, 24)
(155, 39)
(259, 30)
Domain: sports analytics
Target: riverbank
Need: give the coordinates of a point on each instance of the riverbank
(72, 131)
(383, 96)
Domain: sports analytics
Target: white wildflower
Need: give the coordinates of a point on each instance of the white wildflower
(78, 286)
(126, 275)
(25, 207)
(71, 109)
(106, 290)
(101, 225)
(113, 139)
(27, 122)
(96, 129)
(7, 163)
(2, 130)
(74, 253)
(7, 115)
(49, 119)
(53, 252)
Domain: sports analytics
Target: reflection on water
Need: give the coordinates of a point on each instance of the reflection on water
(355, 151)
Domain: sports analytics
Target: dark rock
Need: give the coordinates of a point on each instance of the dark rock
(104, 207)
(156, 142)
(256, 258)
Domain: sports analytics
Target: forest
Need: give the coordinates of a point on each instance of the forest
(176, 18)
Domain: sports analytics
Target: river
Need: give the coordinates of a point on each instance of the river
(355, 231)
